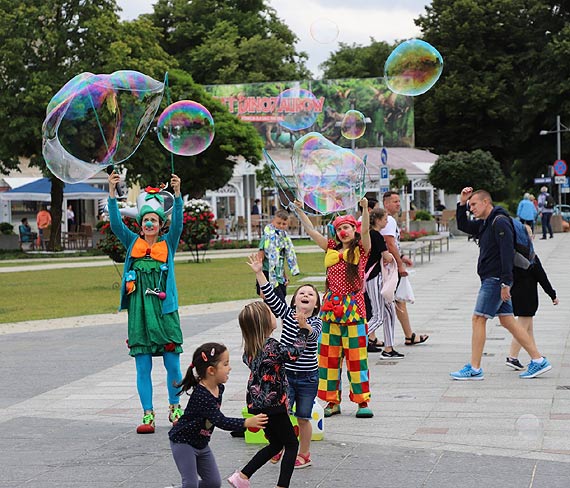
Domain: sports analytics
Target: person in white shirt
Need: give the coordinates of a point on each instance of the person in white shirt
(391, 233)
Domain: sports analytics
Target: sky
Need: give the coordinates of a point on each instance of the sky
(356, 21)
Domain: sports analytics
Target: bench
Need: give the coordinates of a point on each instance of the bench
(415, 247)
(434, 240)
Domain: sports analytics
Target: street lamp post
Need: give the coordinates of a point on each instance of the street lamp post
(559, 129)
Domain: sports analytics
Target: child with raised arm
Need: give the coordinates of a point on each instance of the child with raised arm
(343, 312)
(303, 374)
(190, 437)
(267, 388)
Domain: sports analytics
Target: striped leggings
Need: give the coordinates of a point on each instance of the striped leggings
(383, 312)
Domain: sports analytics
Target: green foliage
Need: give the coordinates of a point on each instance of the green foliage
(229, 42)
(6, 228)
(211, 169)
(505, 78)
(423, 215)
(353, 60)
(398, 179)
(264, 177)
(456, 170)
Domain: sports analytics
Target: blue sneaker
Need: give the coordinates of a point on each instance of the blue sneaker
(467, 374)
(536, 369)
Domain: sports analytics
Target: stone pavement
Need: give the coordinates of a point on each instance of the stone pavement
(68, 403)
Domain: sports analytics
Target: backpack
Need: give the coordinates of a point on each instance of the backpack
(549, 202)
(524, 250)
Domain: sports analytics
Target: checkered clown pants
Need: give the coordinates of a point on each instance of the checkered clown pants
(340, 341)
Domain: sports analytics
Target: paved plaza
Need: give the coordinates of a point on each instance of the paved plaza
(69, 406)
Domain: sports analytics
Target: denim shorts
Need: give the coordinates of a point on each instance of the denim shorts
(489, 301)
(302, 391)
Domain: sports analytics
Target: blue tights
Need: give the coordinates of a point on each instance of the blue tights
(144, 381)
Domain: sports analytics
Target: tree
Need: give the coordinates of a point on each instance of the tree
(456, 170)
(505, 77)
(399, 178)
(357, 60)
(233, 41)
(210, 169)
(43, 44)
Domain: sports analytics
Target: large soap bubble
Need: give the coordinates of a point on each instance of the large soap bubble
(324, 31)
(353, 125)
(97, 120)
(413, 68)
(297, 109)
(185, 128)
(329, 178)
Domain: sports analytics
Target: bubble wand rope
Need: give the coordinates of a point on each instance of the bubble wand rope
(100, 128)
(277, 175)
(168, 101)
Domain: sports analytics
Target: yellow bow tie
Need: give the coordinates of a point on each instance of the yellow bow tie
(158, 251)
(333, 256)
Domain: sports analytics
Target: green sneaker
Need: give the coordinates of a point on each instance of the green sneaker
(332, 409)
(147, 426)
(364, 411)
(175, 412)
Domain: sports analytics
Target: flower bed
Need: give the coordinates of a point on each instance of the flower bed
(233, 244)
(109, 244)
(200, 228)
(406, 236)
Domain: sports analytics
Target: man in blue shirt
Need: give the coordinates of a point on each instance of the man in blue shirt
(495, 269)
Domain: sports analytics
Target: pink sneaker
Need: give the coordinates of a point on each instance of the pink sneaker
(237, 481)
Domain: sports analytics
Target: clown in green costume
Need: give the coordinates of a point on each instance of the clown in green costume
(148, 292)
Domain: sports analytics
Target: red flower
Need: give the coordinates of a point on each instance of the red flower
(152, 190)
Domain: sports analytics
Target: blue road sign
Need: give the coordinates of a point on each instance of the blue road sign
(384, 173)
(384, 156)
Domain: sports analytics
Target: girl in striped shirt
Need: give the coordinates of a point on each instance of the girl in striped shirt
(303, 374)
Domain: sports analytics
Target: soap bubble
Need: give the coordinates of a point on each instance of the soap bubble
(329, 178)
(97, 120)
(324, 31)
(413, 68)
(529, 426)
(297, 109)
(186, 128)
(353, 125)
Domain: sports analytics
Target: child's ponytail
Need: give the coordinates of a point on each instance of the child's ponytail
(205, 356)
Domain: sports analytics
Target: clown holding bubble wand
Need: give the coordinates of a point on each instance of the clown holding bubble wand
(149, 293)
(343, 312)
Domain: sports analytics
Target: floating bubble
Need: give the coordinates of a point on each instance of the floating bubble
(353, 125)
(324, 31)
(297, 109)
(329, 178)
(97, 120)
(413, 68)
(529, 426)
(186, 128)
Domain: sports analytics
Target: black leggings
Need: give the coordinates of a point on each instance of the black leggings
(279, 431)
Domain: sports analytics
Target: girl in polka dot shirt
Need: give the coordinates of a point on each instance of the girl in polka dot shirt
(190, 437)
